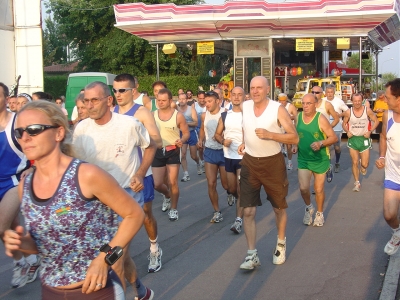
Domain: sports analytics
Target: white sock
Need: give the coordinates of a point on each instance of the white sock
(31, 259)
(283, 242)
(251, 251)
(186, 173)
(154, 245)
(239, 219)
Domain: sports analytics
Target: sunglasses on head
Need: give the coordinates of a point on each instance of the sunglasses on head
(121, 91)
(316, 92)
(212, 93)
(32, 130)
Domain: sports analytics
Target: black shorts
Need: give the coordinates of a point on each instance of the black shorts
(164, 157)
(269, 172)
(232, 165)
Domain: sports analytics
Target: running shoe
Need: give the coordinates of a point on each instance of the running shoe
(231, 199)
(166, 203)
(319, 219)
(173, 215)
(279, 256)
(155, 261)
(237, 226)
(185, 178)
(202, 166)
(393, 245)
(250, 262)
(337, 167)
(217, 217)
(34, 269)
(308, 215)
(199, 170)
(289, 165)
(357, 186)
(329, 174)
(20, 275)
(148, 296)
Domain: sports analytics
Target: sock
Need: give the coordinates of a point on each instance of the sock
(186, 173)
(251, 251)
(153, 245)
(141, 289)
(337, 155)
(397, 230)
(283, 242)
(21, 261)
(239, 219)
(31, 259)
(309, 206)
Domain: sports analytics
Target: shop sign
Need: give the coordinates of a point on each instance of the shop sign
(335, 55)
(205, 48)
(304, 44)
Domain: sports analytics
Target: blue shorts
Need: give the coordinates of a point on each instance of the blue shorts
(215, 157)
(137, 196)
(388, 184)
(232, 165)
(192, 141)
(148, 191)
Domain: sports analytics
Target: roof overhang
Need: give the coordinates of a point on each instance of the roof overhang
(166, 23)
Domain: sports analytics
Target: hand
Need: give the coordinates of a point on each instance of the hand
(137, 183)
(380, 163)
(200, 144)
(178, 143)
(262, 134)
(96, 275)
(367, 134)
(26, 173)
(12, 240)
(316, 146)
(227, 142)
(349, 134)
(241, 149)
(294, 149)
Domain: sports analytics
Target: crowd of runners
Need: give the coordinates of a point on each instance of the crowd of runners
(75, 188)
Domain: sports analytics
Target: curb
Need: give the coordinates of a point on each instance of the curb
(391, 280)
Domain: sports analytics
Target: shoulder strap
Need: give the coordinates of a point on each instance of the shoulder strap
(223, 116)
(14, 139)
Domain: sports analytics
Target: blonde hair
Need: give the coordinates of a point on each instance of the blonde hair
(57, 117)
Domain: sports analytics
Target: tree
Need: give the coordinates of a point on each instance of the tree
(385, 78)
(100, 46)
(54, 44)
(354, 62)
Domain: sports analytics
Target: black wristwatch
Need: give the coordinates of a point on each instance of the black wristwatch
(112, 254)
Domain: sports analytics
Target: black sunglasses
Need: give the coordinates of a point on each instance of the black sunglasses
(121, 91)
(32, 130)
(212, 93)
(314, 92)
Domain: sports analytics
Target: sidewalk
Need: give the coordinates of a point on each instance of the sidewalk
(391, 282)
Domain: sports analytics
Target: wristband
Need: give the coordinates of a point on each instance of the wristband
(381, 157)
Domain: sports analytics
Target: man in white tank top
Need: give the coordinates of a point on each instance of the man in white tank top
(283, 100)
(389, 158)
(356, 125)
(229, 134)
(127, 106)
(213, 153)
(326, 108)
(263, 164)
(200, 107)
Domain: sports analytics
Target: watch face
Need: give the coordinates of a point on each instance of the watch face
(114, 255)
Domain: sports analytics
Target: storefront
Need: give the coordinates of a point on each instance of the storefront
(282, 41)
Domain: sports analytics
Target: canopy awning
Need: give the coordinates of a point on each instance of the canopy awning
(166, 23)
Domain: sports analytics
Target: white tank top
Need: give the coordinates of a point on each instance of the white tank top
(322, 109)
(268, 120)
(139, 100)
(210, 126)
(392, 163)
(233, 131)
(358, 125)
(188, 116)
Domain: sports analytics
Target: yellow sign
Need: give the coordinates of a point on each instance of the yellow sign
(205, 48)
(304, 44)
(343, 43)
(335, 55)
(169, 48)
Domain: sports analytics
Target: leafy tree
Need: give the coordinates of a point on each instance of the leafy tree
(100, 46)
(54, 44)
(354, 62)
(386, 77)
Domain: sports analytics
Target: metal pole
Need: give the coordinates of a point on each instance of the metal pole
(376, 71)
(158, 66)
(360, 67)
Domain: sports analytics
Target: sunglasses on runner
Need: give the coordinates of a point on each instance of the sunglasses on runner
(316, 92)
(32, 130)
(121, 91)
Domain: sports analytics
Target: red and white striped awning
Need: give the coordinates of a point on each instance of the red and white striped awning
(164, 23)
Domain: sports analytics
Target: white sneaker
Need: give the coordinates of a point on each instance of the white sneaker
(319, 219)
(250, 262)
(237, 226)
(289, 165)
(34, 269)
(199, 170)
(155, 261)
(357, 186)
(217, 217)
(185, 178)
(393, 245)
(279, 256)
(166, 204)
(308, 215)
(173, 215)
(231, 199)
(20, 275)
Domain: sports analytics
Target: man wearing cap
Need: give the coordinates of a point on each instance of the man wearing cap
(283, 100)
(340, 107)
(23, 99)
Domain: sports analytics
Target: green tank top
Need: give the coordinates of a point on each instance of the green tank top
(308, 134)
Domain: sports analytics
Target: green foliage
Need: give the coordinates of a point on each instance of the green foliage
(366, 64)
(386, 77)
(55, 85)
(54, 44)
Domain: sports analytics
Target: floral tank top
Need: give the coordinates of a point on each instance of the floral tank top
(68, 228)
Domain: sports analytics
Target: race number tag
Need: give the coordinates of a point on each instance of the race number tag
(366, 143)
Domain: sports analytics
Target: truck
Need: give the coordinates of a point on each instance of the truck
(21, 50)
(305, 85)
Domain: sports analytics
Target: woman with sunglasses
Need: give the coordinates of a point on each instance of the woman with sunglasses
(68, 208)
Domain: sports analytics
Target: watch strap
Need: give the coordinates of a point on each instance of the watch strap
(105, 248)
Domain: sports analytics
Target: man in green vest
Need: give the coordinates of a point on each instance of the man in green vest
(316, 135)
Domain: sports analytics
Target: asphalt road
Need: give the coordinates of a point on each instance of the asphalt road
(344, 259)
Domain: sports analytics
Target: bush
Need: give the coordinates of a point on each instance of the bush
(56, 85)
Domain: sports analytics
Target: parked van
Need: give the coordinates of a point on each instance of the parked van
(77, 81)
(305, 85)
